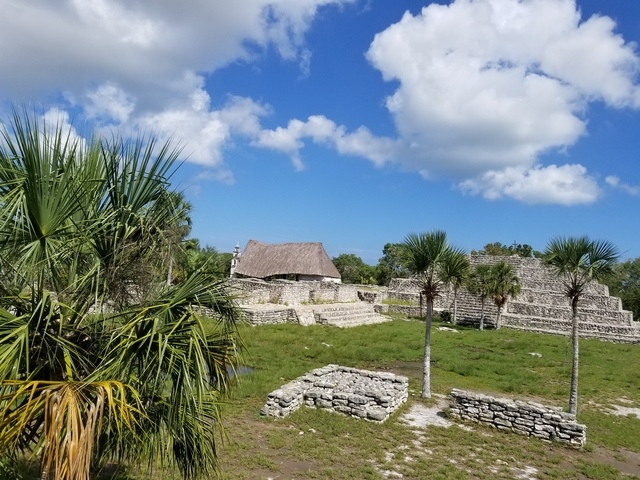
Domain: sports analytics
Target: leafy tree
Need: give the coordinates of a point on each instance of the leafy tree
(426, 257)
(216, 265)
(499, 249)
(390, 264)
(99, 358)
(353, 269)
(479, 284)
(624, 282)
(455, 273)
(504, 283)
(578, 261)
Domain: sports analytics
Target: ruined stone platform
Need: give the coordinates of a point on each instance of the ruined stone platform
(373, 396)
(343, 315)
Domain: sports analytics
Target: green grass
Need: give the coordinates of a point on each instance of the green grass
(314, 444)
(498, 362)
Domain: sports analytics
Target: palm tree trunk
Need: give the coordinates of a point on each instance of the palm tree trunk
(426, 364)
(498, 317)
(482, 316)
(455, 305)
(170, 269)
(573, 394)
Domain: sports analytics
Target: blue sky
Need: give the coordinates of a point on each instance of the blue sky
(355, 122)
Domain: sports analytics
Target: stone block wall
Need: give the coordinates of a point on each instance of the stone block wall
(371, 296)
(360, 393)
(524, 418)
(258, 315)
(287, 292)
(345, 293)
(293, 293)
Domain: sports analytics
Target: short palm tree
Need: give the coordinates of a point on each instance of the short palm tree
(455, 272)
(479, 283)
(426, 256)
(99, 358)
(578, 262)
(504, 283)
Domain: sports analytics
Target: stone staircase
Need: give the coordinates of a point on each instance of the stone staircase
(348, 314)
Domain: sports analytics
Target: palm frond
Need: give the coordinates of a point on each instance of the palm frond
(71, 415)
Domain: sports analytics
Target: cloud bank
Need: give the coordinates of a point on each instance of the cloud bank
(485, 87)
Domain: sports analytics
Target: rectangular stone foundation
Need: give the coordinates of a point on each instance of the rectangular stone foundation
(363, 394)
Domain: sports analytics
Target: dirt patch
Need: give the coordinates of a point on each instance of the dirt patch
(422, 416)
(622, 411)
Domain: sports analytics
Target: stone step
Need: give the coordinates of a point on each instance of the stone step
(594, 330)
(560, 300)
(587, 315)
(554, 285)
(346, 308)
(341, 314)
(347, 322)
(348, 315)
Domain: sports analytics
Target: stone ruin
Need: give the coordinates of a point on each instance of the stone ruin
(362, 394)
(530, 419)
(305, 303)
(540, 307)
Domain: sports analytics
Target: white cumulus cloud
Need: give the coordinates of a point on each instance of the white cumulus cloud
(321, 130)
(203, 131)
(141, 64)
(615, 182)
(562, 185)
(487, 86)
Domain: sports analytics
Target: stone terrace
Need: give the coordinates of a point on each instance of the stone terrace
(306, 303)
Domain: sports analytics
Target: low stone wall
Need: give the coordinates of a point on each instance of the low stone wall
(269, 314)
(524, 418)
(350, 391)
(409, 310)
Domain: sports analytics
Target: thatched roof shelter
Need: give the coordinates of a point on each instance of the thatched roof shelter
(304, 260)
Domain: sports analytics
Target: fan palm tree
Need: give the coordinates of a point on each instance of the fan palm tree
(454, 273)
(99, 359)
(479, 284)
(426, 256)
(504, 284)
(578, 261)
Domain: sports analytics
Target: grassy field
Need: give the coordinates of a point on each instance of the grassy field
(314, 444)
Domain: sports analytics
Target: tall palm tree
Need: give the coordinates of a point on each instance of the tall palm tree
(479, 283)
(426, 256)
(454, 273)
(99, 359)
(504, 284)
(578, 261)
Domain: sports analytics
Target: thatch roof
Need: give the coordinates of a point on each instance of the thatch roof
(262, 260)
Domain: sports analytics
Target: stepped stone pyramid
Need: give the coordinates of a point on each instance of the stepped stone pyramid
(541, 305)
